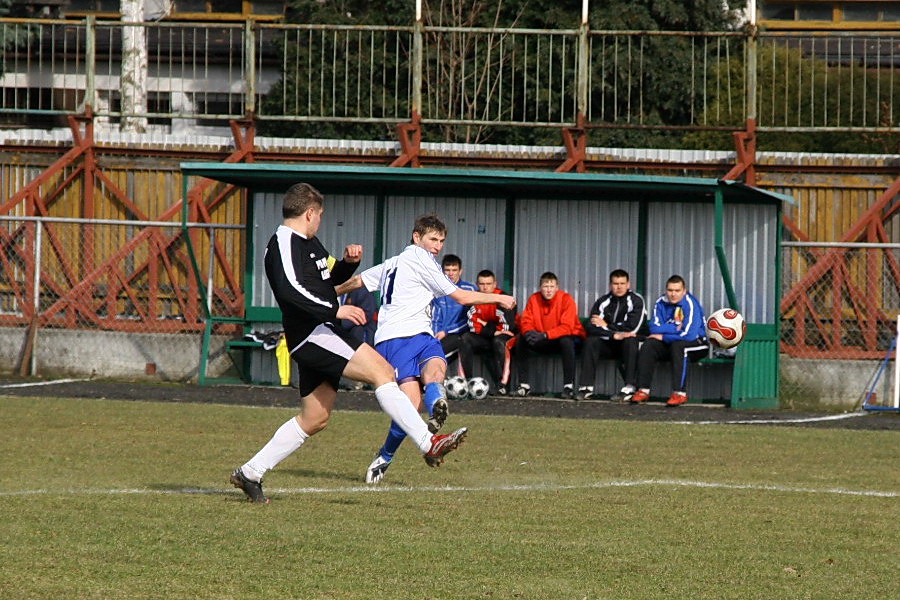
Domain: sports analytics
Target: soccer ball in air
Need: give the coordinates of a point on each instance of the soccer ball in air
(726, 328)
(478, 388)
(456, 388)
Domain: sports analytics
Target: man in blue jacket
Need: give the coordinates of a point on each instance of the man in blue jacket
(450, 319)
(677, 334)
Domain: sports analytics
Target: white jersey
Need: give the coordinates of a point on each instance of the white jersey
(408, 283)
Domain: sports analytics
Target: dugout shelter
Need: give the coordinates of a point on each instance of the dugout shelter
(723, 237)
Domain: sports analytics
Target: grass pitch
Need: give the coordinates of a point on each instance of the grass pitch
(105, 499)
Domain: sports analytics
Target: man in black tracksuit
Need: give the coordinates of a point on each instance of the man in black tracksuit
(615, 317)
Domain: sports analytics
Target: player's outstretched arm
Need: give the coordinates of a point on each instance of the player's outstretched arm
(354, 283)
(468, 298)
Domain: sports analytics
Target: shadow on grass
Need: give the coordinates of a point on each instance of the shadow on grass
(171, 488)
(328, 475)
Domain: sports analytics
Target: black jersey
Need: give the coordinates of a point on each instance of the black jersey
(297, 269)
(621, 313)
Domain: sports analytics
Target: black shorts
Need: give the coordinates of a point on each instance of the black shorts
(323, 356)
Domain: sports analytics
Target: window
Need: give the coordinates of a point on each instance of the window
(778, 11)
(860, 12)
(814, 12)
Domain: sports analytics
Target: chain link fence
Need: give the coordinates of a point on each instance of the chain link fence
(839, 308)
(98, 297)
(121, 298)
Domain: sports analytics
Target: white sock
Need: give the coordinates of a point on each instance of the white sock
(286, 440)
(398, 407)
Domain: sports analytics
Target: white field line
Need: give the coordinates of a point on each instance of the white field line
(774, 421)
(470, 489)
(37, 383)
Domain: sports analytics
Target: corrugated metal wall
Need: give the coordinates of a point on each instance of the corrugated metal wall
(349, 219)
(580, 241)
(681, 240)
(476, 229)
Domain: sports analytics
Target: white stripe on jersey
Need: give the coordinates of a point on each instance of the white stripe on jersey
(408, 283)
(284, 234)
(325, 337)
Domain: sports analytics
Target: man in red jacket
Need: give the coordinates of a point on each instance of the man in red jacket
(491, 327)
(549, 324)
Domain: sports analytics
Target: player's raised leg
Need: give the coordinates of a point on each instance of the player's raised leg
(433, 374)
(369, 366)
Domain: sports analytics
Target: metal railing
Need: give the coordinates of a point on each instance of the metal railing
(126, 275)
(458, 76)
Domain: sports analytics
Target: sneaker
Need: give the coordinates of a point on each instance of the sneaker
(641, 395)
(568, 392)
(438, 415)
(523, 390)
(376, 470)
(253, 489)
(442, 445)
(584, 392)
(502, 391)
(677, 398)
(625, 394)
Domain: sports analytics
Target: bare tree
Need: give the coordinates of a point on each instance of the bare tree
(133, 78)
(465, 66)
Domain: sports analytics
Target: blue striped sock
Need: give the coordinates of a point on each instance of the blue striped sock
(433, 392)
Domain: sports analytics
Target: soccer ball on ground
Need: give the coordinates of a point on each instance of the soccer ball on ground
(478, 388)
(456, 387)
(726, 328)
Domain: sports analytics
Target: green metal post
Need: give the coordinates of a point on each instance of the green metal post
(640, 277)
(207, 329)
(509, 245)
(720, 251)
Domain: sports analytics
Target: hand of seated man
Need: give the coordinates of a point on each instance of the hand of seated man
(533, 337)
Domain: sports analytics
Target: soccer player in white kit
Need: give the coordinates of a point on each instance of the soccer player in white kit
(408, 283)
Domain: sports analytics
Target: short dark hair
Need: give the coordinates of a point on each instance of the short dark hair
(485, 273)
(451, 260)
(549, 276)
(619, 273)
(300, 198)
(676, 279)
(427, 223)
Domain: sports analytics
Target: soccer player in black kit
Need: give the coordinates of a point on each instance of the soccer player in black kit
(300, 272)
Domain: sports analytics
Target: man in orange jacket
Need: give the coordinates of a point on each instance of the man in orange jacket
(549, 324)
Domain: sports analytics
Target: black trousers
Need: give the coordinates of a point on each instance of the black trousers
(451, 343)
(596, 348)
(679, 353)
(565, 345)
(492, 345)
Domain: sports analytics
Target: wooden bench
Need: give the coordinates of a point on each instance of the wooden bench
(709, 379)
(253, 363)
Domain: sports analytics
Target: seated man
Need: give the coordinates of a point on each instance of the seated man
(490, 329)
(549, 324)
(449, 320)
(677, 334)
(614, 318)
(364, 299)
